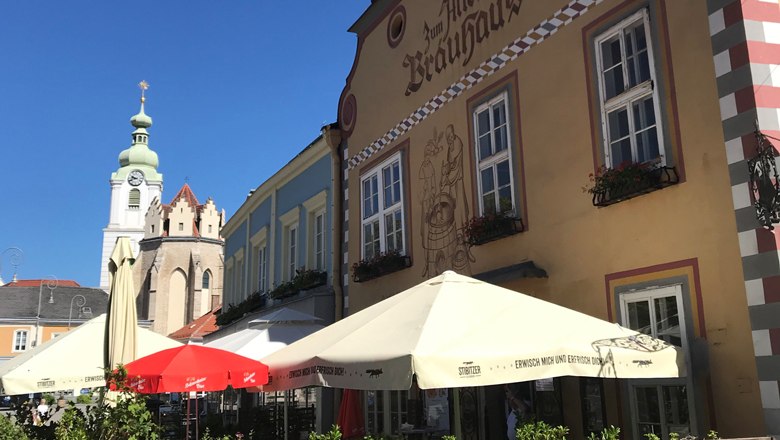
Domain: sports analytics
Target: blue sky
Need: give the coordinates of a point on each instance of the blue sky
(248, 80)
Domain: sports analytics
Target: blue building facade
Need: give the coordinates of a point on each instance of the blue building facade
(281, 233)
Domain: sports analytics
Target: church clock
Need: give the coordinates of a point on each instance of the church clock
(135, 178)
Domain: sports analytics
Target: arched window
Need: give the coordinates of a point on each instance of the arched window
(134, 201)
(206, 279)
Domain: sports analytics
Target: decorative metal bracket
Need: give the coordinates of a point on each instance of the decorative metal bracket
(765, 182)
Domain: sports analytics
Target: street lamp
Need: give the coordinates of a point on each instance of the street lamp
(80, 302)
(51, 284)
(15, 257)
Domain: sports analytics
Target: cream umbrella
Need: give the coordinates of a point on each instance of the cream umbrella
(73, 360)
(122, 320)
(454, 331)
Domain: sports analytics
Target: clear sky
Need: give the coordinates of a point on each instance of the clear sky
(237, 88)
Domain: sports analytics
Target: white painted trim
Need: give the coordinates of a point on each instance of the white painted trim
(259, 236)
(770, 394)
(639, 91)
(755, 292)
(717, 22)
(734, 151)
(305, 159)
(378, 216)
(762, 345)
(290, 217)
(317, 201)
(722, 63)
(740, 194)
(748, 243)
(728, 107)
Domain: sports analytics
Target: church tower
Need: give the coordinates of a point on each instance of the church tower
(133, 187)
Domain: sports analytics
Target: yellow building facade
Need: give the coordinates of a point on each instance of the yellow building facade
(483, 137)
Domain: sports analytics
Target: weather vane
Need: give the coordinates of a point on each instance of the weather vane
(143, 85)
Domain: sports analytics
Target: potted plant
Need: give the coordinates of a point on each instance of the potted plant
(491, 226)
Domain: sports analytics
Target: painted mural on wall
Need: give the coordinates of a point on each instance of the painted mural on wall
(444, 205)
(454, 34)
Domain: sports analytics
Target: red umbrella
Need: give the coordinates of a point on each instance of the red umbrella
(351, 415)
(194, 368)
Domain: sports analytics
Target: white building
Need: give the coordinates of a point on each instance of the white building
(133, 187)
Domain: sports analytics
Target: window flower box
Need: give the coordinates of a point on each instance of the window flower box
(628, 180)
(303, 280)
(382, 264)
(232, 313)
(490, 227)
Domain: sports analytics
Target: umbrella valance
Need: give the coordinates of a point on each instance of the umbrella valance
(71, 361)
(194, 368)
(455, 331)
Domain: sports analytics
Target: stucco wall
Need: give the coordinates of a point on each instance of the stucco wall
(688, 228)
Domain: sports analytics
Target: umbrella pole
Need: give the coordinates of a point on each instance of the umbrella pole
(187, 418)
(197, 417)
(456, 411)
(286, 398)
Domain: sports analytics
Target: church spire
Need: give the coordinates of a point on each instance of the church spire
(139, 152)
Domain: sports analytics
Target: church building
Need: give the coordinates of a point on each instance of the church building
(133, 186)
(179, 268)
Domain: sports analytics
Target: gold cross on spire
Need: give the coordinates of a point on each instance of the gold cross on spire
(143, 85)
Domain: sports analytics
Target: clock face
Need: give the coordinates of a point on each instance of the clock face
(135, 178)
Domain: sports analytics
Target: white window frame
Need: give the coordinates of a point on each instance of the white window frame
(382, 211)
(496, 158)
(318, 240)
(238, 273)
(649, 295)
(631, 95)
(259, 243)
(387, 411)
(20, 341)
(262, 268)
(290, 226)
(291, 251)
(316, 246)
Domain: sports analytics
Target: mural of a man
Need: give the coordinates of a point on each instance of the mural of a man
(442, 235)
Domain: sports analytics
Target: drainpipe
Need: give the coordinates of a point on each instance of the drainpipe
(332, 136)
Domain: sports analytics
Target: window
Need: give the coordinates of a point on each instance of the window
(319, 241)
(206, 279)
(260, 258)
(386, 411)
(209, 229)
(20, 340)
(134, 200)
(262, 269)
(630, 114)
(291, 251)
(494, 156)
(382, 209)
(152, 229)
(289, 243)
(316, 222)
(181, 226)
(659, 406)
